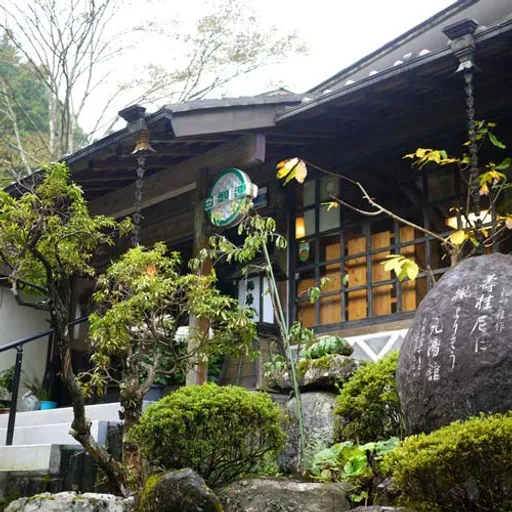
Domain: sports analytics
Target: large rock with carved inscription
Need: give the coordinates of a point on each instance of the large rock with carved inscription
(456, 360)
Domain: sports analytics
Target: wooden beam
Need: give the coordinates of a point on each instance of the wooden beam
(198, 373)
(245, 152)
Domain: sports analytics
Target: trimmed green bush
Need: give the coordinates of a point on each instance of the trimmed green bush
(220, 432)
(368, 403)
(464, 466)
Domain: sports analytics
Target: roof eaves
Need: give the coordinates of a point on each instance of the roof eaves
(480, 37)
(361, 84)
(438, 18)
(96, 146)
(115, 137)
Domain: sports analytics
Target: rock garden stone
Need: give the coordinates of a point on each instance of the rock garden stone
(273, 495)
(456, 360)
(316, 374)
(319, 419)
(71, 502)
(178, 491)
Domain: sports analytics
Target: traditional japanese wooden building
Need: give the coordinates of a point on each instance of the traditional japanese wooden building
(360, 123)
(414, 92)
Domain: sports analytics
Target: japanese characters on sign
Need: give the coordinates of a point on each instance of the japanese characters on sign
(227, 196)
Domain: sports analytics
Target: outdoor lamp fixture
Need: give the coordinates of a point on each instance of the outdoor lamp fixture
(300, 227)
(470, 220)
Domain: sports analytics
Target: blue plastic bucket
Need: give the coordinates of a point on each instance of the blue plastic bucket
(46, 404)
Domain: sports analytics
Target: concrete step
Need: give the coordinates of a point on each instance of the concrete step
(100, 412)
(41, 458)
(53, 433)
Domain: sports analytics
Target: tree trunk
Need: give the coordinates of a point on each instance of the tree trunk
(117, 476)
(19, 144)
(132, 406)
(54, 135)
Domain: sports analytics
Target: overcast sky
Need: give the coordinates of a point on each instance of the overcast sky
(336, 33)
(339, 32)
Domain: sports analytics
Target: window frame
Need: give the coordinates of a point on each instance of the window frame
(396, 244)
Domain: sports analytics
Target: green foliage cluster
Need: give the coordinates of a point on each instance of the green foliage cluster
(463, 466)
(37, 387)
(327, 345)
(24, 102)
(7, 379)
(275, 367)
(220, 432)
(362, 466)
(6, 384)
(143, 298)
(368, 403)
(48, 236)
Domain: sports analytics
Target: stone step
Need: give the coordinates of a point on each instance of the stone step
(35, 457)
(53, 433)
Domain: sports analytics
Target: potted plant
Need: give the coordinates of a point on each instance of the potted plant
(6, 387)
(36, 386)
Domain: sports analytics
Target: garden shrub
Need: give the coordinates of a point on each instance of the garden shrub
(368, 403)
(220, 432)
(463, 466)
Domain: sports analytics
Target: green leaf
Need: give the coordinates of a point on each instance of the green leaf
(495, 141)
(356, 465)
(505, 164)
(412, 270)
(314, 294)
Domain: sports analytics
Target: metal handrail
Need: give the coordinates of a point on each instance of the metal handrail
(18, 346)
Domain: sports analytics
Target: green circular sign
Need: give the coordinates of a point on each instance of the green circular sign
(227, 195)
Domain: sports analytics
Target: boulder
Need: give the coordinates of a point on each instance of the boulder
(456, 360)
(178, 491)
(273, 495)
(71, 502)
(319, 418)
(325, 373)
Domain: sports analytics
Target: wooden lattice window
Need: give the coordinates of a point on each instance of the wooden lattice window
(349, 250)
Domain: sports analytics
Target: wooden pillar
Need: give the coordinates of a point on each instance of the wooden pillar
(198, 373)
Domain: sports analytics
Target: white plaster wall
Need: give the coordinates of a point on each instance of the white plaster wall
(17, 322)
(372, 347)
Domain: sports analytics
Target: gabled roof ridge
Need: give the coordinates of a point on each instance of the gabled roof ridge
(240, 101)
